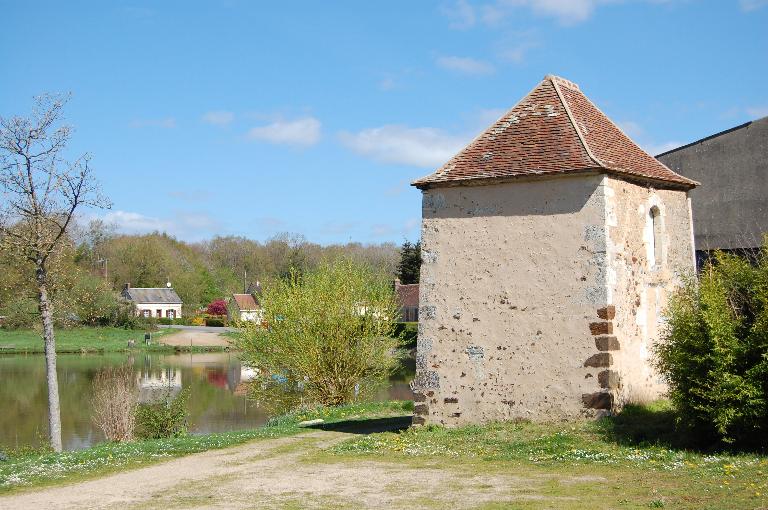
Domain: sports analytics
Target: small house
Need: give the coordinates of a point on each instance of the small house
(244, 307)
(550, 245)
(158, 302)
(407, 300)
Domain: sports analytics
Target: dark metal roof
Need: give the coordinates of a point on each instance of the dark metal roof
(152, 295)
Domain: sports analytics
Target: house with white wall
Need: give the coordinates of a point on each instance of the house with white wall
(244, 307)
(158, 302)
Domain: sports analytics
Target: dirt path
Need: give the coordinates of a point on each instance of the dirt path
(196, 338)
(292, 472)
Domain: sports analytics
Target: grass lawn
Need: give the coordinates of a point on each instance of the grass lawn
(611, 463)
(85, 339)
(31, 468)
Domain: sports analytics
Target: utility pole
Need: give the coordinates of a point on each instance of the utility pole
(245, 281)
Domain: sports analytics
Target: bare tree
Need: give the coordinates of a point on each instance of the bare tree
(41, 192)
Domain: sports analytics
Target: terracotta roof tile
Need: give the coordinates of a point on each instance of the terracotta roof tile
(245, 302)
(408, 294)
(554, 129)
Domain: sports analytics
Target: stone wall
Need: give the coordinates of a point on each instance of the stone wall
(512, 275)
(639, 289)
(537, 300)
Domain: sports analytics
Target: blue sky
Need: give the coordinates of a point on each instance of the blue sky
(245, 118)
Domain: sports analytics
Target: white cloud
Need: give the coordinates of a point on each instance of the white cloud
(465, 65)
(337, 228)
(464, 15)
(655, 149)
(461, 13)
(218, 118)
(387, 84)
(752, 5)
(191, 226)
(757, 112)
(423, 147)
(302, 132)
(381, 230)
(516, 45)
(165, 123)
(636, 132)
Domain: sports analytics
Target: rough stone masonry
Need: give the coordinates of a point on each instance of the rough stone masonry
(549, 245)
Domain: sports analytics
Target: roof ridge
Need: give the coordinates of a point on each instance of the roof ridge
(574, 123)
(614, 167)
(559, 79)
(445, 166)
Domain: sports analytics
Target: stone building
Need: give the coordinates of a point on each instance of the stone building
(549, 246)
(730, 209)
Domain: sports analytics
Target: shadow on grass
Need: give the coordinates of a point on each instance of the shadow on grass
(372, 426)
(659, 424)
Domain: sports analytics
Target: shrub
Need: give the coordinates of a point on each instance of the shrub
(329, 336)
(114, 402)
(218, 307)
(198, 321)
(715, 354)
(165, 321)
(167, 418)
(216, 323)
(409, 332)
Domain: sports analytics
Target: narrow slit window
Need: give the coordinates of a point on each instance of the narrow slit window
(655, 251)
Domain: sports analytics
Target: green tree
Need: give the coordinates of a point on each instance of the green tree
(715, 354)
(329, 336)
(409, 268)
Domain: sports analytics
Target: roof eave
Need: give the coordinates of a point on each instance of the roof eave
(628, 176)
(484, 181)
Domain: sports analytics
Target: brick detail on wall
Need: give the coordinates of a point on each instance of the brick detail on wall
(609, 379)
(601, 359)
(601, 328)
(607, 343)
(418, 420)
(420, 409)
(598, 400)
(607, 313)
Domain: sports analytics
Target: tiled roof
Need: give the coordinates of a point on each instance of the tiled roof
(407, 295)
(245, 302)
(152, 295)
(555, 129)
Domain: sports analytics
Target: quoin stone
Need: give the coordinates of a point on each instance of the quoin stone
(554, 242)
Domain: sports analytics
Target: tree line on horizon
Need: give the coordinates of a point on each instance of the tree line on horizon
(96, 262)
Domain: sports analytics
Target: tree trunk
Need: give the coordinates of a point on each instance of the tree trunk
(54, 413)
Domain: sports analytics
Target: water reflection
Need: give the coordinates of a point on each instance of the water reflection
(216, 382)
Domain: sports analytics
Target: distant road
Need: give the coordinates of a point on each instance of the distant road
(202, 329)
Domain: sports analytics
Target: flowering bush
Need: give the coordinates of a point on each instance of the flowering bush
(218, 307)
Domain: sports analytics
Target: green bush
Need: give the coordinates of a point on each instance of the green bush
(408, 332)
(715, 354)
(167, 418)
(329, 337)
(216, 323)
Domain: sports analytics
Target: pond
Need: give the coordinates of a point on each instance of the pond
(217, 401)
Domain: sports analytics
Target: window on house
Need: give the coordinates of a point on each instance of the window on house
(171, 314)
(159, 313)
(656, 242)
(147, 313)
